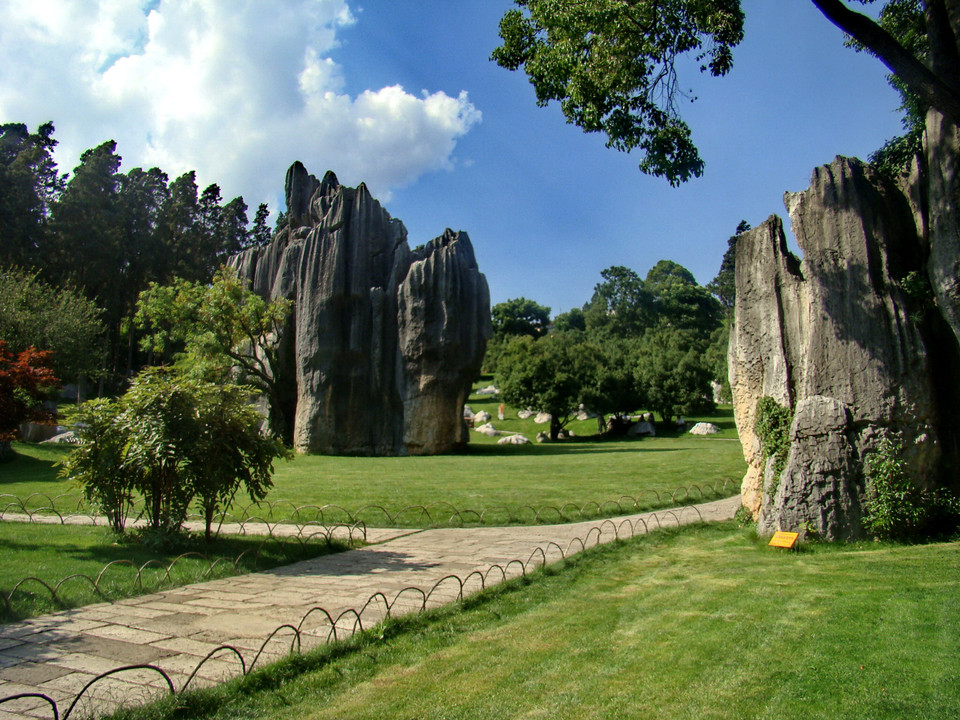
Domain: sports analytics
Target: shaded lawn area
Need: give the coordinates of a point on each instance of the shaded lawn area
(705, 622)
(53, 553)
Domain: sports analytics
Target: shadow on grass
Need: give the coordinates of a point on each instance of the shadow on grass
(27, 468)
(108, 549)
(591, 445)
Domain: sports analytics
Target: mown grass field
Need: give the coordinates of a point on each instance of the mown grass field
(703, 622)
(582, 477)
(583, 473)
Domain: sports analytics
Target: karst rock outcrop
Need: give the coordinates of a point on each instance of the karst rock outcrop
(384, 342)
(841, 340)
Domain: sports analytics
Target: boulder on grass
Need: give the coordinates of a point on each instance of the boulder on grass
(513, 440)
(704, 428)
(64, 438)
(488, 430)
(643, 428)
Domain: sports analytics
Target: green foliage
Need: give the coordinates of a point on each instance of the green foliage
(724, 285)
(612, 65)
(772, 426)
(916, 286)
(571, 321)
(615, 390)
(898, 509)
(228, 334)
(554, 374)
(672, 373)
(520, 316)
(130, 229)
(61, 320)
(97, 464)
(715, 357)
(621, 306)
(29, 183)
(905, 20)
(229, 451)
(652, 343)
(171, 439)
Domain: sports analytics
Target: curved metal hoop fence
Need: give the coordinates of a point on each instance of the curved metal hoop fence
(133, 579)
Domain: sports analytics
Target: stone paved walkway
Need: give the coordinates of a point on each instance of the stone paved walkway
(263, 616)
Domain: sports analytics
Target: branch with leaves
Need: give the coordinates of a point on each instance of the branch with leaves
(225, 333)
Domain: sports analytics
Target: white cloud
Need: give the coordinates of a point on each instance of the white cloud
(235, 89)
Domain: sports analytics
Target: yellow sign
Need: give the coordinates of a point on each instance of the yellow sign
(784, 539)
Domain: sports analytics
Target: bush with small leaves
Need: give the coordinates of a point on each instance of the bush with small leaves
(897, 508)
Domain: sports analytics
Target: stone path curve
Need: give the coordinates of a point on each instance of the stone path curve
(260, 617)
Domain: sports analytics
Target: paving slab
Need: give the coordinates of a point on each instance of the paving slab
(327, 597)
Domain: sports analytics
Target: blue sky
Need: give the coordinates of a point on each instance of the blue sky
(401, 94)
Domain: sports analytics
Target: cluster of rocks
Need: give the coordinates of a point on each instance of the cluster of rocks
(384, 342)
(507, 439)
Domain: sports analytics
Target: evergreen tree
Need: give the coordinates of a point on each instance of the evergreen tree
(29, 184)
(261, 233)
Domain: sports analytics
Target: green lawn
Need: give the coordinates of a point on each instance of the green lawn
(511, 483)
(700, 623)
(54, 553)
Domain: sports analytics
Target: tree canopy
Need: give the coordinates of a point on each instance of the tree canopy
(639, 344)
(59, 320)
(520, 316)
(107, 234)
(612, 64)
(553, 375)
(228, 334)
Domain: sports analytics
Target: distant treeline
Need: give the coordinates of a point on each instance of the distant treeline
(109, 234)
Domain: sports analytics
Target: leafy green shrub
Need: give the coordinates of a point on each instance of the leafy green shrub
(898, 509)
(772, 426)
(172, 439)
(743, 517)
(97, 463)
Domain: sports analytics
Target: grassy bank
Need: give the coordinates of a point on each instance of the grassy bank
(705, 623)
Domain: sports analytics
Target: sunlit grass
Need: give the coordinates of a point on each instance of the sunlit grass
(698, 623)
(512, 483)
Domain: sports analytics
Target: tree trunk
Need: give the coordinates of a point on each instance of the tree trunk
(208, 510)
(555, 428)
(6, 451)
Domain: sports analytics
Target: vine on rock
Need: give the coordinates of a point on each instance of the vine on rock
(772, 426)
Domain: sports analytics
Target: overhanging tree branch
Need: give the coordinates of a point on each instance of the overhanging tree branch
(933, 89)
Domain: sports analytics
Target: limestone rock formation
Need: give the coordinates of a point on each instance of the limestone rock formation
(384, 341)
(834, 338)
